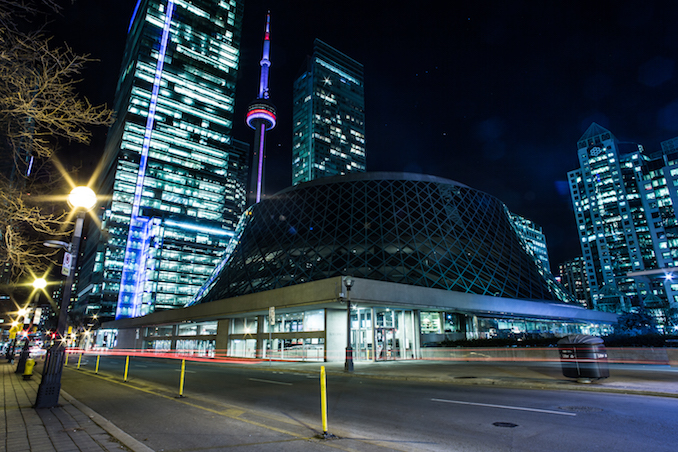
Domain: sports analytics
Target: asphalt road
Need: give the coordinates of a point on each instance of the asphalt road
(239, 408)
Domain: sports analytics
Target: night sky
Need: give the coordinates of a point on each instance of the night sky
(492, 94)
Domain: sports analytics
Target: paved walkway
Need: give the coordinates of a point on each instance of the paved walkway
(75, 427)
(72, 427)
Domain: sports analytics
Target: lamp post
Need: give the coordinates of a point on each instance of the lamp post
(80, 199)
(39, 284)
(348, 365)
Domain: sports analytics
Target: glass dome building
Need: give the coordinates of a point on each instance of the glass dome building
(401, 228)
(429, 260)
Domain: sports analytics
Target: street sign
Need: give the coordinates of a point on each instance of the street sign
(271, 316)
(66, 265)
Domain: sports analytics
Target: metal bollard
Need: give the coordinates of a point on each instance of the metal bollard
(181, 382)
(126, 368)
(96, 369)
(323, 399)
(79, 359)
(28, 369)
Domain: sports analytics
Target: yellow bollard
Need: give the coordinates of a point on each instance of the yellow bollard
(181, 382)
(79, 359)
(28, 370)
(66, 363)
(96, 369)
(323, 398)
(126, 368)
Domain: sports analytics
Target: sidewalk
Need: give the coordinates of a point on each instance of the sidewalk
(69, 428)
(75, 427)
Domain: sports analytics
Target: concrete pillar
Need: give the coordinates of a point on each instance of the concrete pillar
(223, 330)
(175, 332)
(416, 321)
(127, 338)
(373, 313)
(335, 335)
(261, 321)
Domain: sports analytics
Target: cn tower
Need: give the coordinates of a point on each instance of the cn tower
(261, 117)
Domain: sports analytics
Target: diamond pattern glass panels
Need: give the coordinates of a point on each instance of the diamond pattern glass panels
(401, 228)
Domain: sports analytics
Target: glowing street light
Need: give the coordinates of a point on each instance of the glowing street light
(81, 199)
(39, 283)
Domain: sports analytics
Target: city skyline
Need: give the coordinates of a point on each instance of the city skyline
(493, 97)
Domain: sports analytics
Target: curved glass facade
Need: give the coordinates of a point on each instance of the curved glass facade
(402, 228)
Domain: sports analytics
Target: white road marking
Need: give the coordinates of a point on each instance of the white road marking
(186, 371)
(271, 381)
(519, 408)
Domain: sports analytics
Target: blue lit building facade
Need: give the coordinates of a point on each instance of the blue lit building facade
(175, 178)
(328, 117)
(624, 205)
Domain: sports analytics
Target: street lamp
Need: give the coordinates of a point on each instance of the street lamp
(39, 283)
(81, 199)
(348, 365)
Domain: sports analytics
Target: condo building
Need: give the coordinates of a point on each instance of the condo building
(624, 202)
(328, 116)
(173, 177)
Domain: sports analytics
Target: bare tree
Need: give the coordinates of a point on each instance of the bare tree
(24, 224)
(39, 106)
(38, 98)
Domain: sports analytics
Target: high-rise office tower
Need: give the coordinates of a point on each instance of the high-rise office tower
(176, 179)
(261, 117)
(328, 117)
(573, 278)
(624, 205)
(534, 238)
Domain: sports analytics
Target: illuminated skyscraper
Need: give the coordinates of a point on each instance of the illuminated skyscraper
(328, 117)
(624, 205)
(534, 238)
(175, 176)
(261, 117)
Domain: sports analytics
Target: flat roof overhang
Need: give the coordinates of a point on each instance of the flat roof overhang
(328, 294)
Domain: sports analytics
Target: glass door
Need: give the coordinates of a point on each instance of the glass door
(387, 344)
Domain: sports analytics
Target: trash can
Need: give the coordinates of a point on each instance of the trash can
(583, 357)
(28, 370)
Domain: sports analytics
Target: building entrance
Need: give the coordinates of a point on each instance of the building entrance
(380, 334)
(387, 344)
